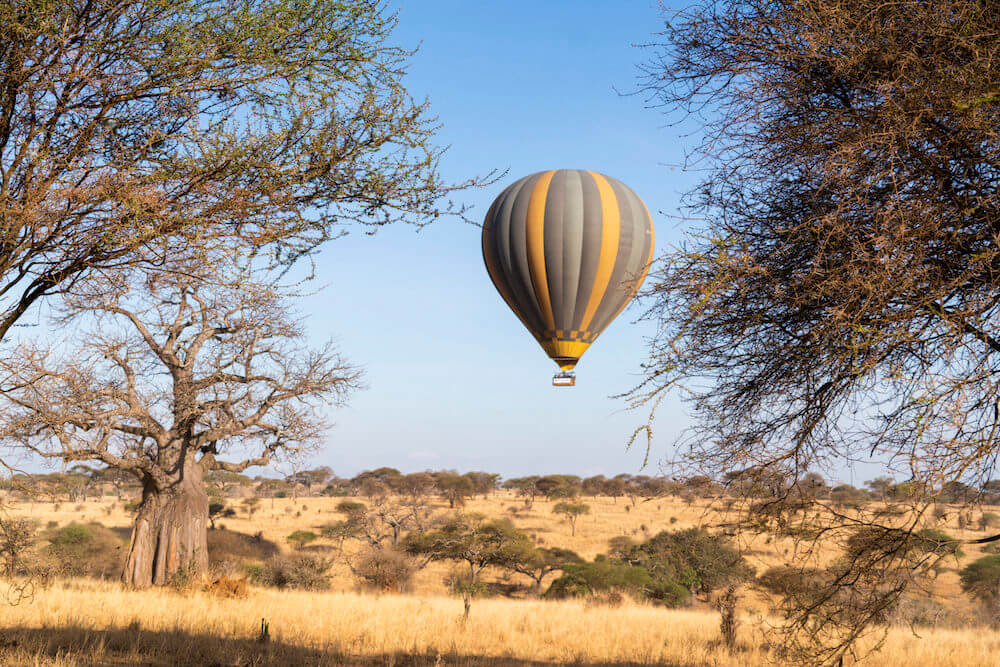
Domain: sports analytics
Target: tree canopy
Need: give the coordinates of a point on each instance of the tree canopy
(838, 298)
(124, 124)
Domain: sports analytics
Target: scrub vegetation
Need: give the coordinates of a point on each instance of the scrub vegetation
(381, 567)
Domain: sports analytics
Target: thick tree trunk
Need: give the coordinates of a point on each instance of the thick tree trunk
(170, 531)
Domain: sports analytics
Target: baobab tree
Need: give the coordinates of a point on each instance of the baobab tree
(174, 377)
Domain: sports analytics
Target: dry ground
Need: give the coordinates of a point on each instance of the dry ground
(81, 622)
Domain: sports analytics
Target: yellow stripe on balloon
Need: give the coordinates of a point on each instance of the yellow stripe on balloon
(645, 270)
(610, 232)
(535, 230)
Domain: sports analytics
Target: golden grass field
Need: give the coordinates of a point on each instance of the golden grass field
(86, 622)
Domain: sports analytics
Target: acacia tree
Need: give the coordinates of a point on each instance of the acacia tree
(183, 375)
(572, 511)
(840, 299)
(123, 122)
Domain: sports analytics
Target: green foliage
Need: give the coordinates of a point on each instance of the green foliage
(570, 509)
(471, 539)
(603, 574)
(790, 581)
(559, 486)
(694, 558)
(460, 582)
(620, 545)
(873, 542)
(456, 488)
(300, 538)
(90, 550)
(351, 508)
(536, 562)
(934, 540)
(981, 579)
(72, 535)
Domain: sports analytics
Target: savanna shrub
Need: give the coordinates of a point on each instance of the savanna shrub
(981, 579)
(16, 539)
(385, 569)
(310, 573)
(693, 558)
(603, 574)
(300, 538)
(90, 550)
(790, 581)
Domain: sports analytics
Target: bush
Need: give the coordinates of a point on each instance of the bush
(603, 574)
(90, 550)
(74, 534)
(981, 579)
(308, 573)
(693, 558)
(385, 570)
(992, 548)
(300, 538)
(351, 507)
(790, 581)
(619, 546)
(872, 542)
(924, 612)
(16, 538)
(931, 539)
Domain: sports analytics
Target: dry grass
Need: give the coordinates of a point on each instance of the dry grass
(81, 622)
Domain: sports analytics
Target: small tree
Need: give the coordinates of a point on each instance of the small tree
(470, 539)
(981, 580)
(694, 558)
(456, 488)
(571, 511)
(300, 538)
(538, 563)
(478, 543)
(16, 538)
(385, 569)
(527, 488)
(216, 508)
(558, 486)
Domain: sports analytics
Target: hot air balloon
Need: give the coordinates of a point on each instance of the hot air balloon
(567, 249)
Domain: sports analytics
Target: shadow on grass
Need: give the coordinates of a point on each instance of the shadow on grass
(135, 646)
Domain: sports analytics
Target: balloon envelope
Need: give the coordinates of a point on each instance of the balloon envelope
(567, 249)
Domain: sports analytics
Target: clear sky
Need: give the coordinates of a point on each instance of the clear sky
(454, 380)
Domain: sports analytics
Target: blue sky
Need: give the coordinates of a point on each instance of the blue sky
(454, 381)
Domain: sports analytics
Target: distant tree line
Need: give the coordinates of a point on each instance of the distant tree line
(80, 482)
